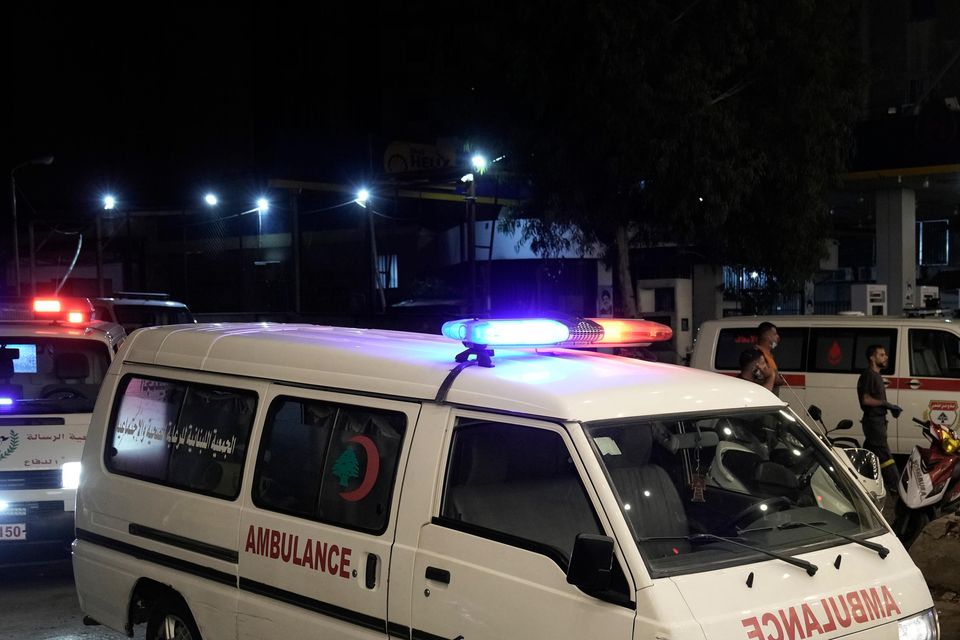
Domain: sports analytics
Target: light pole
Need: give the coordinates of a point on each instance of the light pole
(362, 197)
(45, 160)
(479, 164)
(263, 205)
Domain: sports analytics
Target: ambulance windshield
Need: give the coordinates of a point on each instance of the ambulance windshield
(50, 374)
(694, 486)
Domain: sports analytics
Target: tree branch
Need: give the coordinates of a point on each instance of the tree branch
(685, 12)
(732, 91)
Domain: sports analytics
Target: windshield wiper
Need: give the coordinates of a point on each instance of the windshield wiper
(695, 538)
(881, 550)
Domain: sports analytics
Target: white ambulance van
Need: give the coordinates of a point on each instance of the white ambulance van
(821, 358)
(296, 481)
(52, 360)
(135, 309)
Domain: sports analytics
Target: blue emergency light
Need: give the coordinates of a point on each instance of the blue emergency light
(480, 334)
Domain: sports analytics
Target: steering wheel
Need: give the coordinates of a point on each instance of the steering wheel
(769, 503)
(63, 392)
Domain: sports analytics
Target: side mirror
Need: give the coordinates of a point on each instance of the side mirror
(866, 466)
(816, 414)
(591, 562)
(846, 423)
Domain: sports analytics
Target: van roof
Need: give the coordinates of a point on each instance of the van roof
(141, 302)
(835, 320)
(555, 383)
(93, 330)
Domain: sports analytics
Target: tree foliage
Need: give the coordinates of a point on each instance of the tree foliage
(719, 123)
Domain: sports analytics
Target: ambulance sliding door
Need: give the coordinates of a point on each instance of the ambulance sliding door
(318, 521)
(837, 358)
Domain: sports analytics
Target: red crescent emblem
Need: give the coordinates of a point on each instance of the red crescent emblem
(371, 472)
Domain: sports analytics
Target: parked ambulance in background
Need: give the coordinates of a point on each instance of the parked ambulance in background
(821, 358)
(135, 309)
(52, 360)
(297, 481)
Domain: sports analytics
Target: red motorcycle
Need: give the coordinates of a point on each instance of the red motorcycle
(929, 486)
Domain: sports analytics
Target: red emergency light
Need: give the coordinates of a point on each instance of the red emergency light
(70, 310)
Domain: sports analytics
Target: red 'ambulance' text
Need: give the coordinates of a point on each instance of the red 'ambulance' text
(289, 548)
(836, 612)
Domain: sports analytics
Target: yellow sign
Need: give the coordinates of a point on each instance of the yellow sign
(403, 157)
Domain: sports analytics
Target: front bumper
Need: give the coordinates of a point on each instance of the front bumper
(49, 533)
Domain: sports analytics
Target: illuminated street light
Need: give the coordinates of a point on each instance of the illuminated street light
(362, 196)
(45, 160)
(109, 202)
(479, 163)
(211, 199)
(263, 205)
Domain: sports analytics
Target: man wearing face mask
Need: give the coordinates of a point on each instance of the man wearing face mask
(767, 340)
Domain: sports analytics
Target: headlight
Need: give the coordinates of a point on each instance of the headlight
(923, 626)
(70, 475)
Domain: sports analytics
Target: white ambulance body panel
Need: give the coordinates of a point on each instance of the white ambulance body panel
(263, 481)
(821, 358)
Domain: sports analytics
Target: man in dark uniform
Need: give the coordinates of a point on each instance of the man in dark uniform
(873, 400)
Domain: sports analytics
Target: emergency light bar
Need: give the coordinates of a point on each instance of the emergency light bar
(544, 332)
(71, 310)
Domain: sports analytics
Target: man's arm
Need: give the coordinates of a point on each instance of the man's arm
(770, 380)
(868, 400)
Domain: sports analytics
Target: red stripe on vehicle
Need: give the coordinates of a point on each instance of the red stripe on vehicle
(927, 384)
(795, 379)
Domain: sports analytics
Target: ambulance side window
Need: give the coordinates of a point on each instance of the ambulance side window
(844, 349)
(934, 353)
(329, 462)
(180, 434)
(517, 485)
(790, 354)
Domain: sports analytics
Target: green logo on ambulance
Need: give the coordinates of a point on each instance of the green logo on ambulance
(943, 412)
(347, 468)
(9, 444)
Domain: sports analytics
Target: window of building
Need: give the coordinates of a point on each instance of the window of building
(387, 270)
(329, 462)
(180, 434)
(933, 243)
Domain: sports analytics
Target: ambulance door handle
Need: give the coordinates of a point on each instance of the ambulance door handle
(370, 579)
(438, 575)
(914, 383)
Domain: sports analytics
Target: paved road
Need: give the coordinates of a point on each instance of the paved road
(937, 553)
(41, 604)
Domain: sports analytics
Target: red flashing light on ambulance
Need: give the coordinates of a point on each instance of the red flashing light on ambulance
(69, 310)
(480, 334)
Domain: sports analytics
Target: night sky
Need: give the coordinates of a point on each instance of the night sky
(159, 102)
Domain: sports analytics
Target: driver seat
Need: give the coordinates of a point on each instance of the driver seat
(8, 390)
(655, 507)
(71, 369)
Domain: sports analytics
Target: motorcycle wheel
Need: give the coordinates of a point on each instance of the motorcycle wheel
(909, 523)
